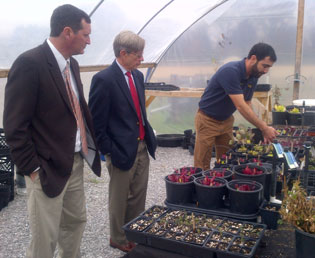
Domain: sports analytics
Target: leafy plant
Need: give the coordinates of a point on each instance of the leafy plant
(244, 187)
(218, 173)
(210, 181)
(297, 209)
(179, 178)
(188, 171)
(243, 135)
(279, 108)
(295, 111)
(251, 171)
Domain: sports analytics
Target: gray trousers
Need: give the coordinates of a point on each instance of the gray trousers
(127, 193)
(60, 220)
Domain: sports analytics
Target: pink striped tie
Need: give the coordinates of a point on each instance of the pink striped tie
(76, 109)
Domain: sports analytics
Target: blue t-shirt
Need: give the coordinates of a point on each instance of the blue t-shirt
(230, 79)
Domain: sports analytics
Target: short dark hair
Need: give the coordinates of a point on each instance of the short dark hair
(262, 50)
(67, 16)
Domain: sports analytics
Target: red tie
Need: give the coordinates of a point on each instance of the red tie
(76, 109)
(135, 98)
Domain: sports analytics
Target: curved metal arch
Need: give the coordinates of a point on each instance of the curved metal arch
(143, 27)
(151, 72)
(95, 8)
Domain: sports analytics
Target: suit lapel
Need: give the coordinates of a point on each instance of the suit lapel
(121, 81)
(56, 75)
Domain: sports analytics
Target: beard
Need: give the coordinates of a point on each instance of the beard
(255, 73)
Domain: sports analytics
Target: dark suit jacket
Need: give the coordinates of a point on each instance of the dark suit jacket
(38, 121)
(115, 118)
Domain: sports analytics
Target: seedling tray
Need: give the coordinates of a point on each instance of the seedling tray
(195, 234)
(218, 212)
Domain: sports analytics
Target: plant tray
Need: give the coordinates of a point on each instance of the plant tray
(218, 212)
(214, 236)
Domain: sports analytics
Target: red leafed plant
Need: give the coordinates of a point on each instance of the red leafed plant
(252, 171)
(244, 187)
(217, 173)
(186, 171)
(179, 178)
(210, 181)
(257, 161)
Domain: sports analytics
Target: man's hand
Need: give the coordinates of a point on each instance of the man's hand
(269, 134)
(33, 175)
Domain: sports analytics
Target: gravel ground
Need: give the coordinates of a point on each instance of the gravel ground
(14, 227)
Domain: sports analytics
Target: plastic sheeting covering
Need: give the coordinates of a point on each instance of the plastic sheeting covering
(160, 23)
(188, 39)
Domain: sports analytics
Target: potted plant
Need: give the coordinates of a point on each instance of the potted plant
(224, 173)
(179, 188)
(279, 115)
(294, 116)
(189, 171)
(210, 191)
(250, 172)
(270, 214)
(299, 210)
(245, 196)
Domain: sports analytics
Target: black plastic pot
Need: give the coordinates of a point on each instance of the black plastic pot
(270, 217)
(170, 140)
(279, 118)
(179, 193)
(309, 118)
(304, 243)
(245, 202)
(294, 118)
(258, 178)
(210, 197)
(268, 178)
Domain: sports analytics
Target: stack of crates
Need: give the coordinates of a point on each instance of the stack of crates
(308, 176)
(6, 173)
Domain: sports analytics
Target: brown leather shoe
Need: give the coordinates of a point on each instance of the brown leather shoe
(125, 248)
(132, 244)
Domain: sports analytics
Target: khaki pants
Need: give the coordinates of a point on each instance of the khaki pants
(57, 220)
(211, 132)
(127, 193)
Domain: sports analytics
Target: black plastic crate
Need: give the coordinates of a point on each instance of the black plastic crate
(5, 193)
(7, 173)
(4, 148)
(308, 180)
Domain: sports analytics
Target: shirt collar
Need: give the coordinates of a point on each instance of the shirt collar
(61, 61)
(243, 70)
(121, 67)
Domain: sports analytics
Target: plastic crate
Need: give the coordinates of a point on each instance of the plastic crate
(308, 180)
(7, 173)
(4, 148)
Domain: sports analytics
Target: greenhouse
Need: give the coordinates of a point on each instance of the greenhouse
(186, 43)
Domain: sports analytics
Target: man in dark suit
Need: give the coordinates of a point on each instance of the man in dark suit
(123, 133)
(49, 130)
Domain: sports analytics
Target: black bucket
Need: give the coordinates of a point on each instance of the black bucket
(279, 118)
(258, 178)
(294, 118)
(210, 197)
(245, 202)
(179, 193)
(304, 243)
